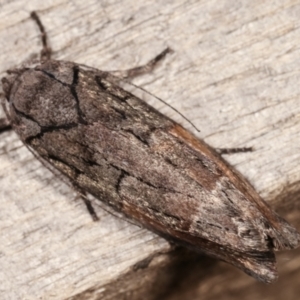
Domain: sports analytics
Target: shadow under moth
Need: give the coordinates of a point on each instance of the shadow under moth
(112, 145)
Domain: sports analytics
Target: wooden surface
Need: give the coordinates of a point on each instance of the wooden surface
(234, 73)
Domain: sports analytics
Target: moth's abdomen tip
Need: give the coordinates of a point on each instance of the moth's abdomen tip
(294, 241)
(288, 238)
(267, 275)
(271, 277)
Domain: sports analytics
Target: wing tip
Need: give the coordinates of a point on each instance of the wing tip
(260, 265)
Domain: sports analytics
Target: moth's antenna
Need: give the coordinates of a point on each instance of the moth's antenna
(125, 75)
(46, 51)
(164, 102)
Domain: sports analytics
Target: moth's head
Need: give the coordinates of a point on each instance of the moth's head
(40, 98)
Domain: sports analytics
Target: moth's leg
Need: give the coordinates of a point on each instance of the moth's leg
(140, 70)
(46, 51)
(117, 76)
(4, 125)
(4, 122)
(87, 203)
(82, 195)
(223, 151)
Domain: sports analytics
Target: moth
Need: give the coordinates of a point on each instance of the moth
(114, 146)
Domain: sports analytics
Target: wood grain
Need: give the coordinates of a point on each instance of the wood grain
(234, 73)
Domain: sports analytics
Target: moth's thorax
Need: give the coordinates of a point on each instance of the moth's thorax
(40, 97)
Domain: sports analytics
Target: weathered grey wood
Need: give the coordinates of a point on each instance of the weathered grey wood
(234, 73)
